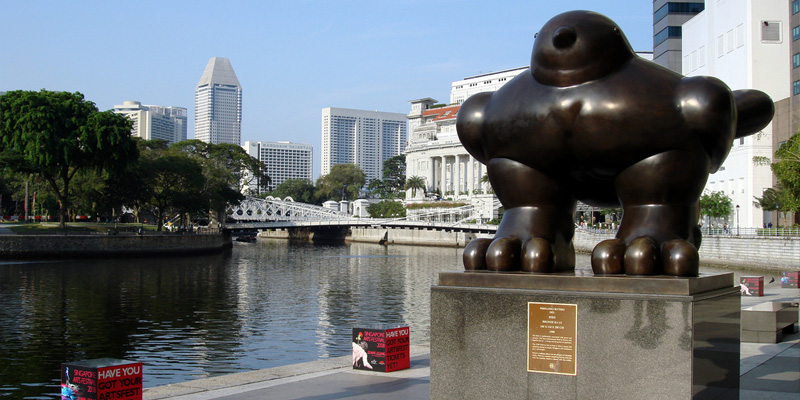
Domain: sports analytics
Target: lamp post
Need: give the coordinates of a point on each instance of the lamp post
(737, 220)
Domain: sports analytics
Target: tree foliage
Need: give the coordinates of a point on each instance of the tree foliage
(226, 168)
(787, 169)
(394, 179)
(300, 190)
(343, 182)
(58, 134)
(715, 205)
(387, 209)
(415, 182)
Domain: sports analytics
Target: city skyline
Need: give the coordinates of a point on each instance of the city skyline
(293, 58)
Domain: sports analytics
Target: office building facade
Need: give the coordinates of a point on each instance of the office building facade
(364, 138)
(745, 44)
(283, 161)
(218, 104)
(668, 18)
(155, 122)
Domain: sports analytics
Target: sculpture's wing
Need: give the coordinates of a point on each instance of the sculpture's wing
(469, 124)
(754, 111)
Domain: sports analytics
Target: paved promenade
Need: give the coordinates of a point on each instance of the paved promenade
(767, 372)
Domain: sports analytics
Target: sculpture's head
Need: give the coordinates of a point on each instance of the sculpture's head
(576, 47)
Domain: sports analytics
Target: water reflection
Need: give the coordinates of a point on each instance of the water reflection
(262, 305)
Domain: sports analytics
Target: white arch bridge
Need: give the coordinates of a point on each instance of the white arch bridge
(272, 213)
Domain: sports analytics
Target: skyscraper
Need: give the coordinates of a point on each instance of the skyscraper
(364, 138)
(218, 104)
(668, 16)
(155, 122)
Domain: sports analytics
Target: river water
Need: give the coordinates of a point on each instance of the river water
(261, 305)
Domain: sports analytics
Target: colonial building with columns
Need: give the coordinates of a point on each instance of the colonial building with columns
(434, 151)
(435, 154)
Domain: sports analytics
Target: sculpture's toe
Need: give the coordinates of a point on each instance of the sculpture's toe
(503, 254)
(608, 256)
(537, 256)
(475, 254)
(641, 257)
(680, 258)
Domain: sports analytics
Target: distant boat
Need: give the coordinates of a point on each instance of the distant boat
(246, 238)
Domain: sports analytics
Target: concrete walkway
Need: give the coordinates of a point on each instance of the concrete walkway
(767, 372)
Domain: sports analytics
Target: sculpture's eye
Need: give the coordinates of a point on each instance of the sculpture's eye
(616, 30)
(564, 37)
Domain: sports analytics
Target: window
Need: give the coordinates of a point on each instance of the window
(795, 88)
(796, 33)
(666, 33)
(677, 8)
(795, 6)
(795, 60)
(771, 32)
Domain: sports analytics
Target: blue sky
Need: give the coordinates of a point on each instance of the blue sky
(293, 58)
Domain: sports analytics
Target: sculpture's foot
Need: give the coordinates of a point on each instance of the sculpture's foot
(644, 256)
(510, 254)
(517, 247)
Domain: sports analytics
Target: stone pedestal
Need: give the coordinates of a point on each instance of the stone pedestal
(636, 338)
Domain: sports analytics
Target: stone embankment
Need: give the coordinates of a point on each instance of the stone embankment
(74, 246)
(778, 253)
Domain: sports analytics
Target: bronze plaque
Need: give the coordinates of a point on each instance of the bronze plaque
(552, 338)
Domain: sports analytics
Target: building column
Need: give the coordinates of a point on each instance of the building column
(444, 175)
(470, 174)
(430, 183)
(456, 176)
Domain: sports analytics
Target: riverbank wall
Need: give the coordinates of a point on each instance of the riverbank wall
(778, 253)
(85, 246)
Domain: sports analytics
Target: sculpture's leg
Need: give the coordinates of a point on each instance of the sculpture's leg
(659, 198)
(536, 232)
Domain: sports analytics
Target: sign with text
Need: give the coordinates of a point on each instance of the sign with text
(552, 338)
(381, 349)
(101, 379)
(751, 285)
(789, 280)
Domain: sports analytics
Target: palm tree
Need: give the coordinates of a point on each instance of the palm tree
(485, 179)
(415, 182)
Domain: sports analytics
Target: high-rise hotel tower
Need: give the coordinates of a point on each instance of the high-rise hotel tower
(218, 104)
(364, 138)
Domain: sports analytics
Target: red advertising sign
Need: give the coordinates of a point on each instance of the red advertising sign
(382, 349)
(789, 280)
(101, 379)
(751, 285)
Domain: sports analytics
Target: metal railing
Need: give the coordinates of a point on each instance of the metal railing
(721, 231)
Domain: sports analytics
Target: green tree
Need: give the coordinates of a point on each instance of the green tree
(174, 183)
(58, 134)
(344, 181)
(715, 205)
(394, 178)
(300, 190)
(387, 209)
(415, 182)
(394, 173)
(787, 169)
(227, 168)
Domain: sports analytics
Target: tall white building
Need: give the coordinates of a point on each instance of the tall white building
(218, 104)
(364, 138)
(461, 90)
(745, 43)
(283, 161)
(155, 122)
